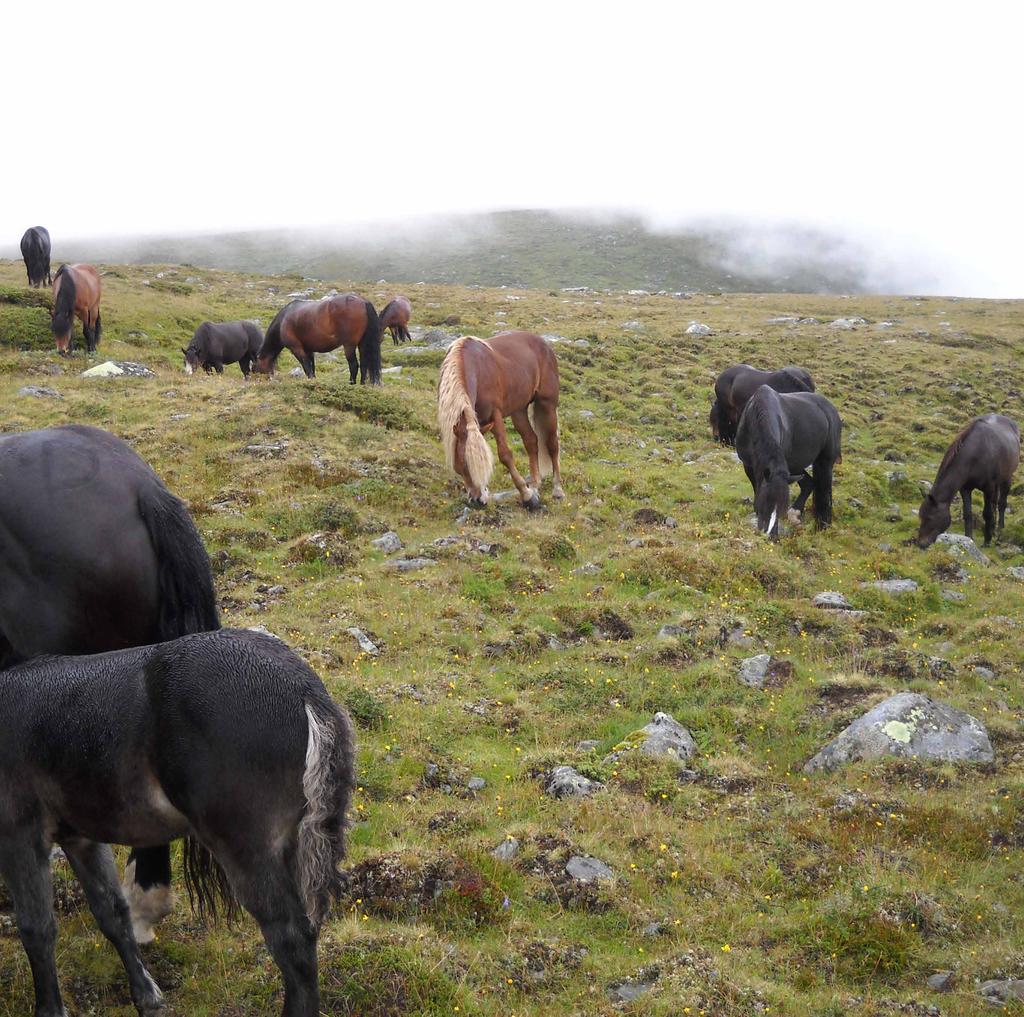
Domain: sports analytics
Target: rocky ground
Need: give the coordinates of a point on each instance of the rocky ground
(621, 755)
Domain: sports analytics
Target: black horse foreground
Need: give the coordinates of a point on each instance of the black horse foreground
(781, 436)
(35, 249)
(243, 752)
(983, 456)
(96, 554)
(736, 384)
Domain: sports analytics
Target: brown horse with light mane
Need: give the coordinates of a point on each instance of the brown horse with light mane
(512, 374)
(76, 290)
(317, 326)
(395, 317)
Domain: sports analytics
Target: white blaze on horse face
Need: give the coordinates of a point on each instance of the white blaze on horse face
(771, 522)
(188, 367)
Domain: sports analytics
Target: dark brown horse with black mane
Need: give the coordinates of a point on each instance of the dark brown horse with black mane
(96, 554)
(736, 384)
(76, 291)
(512, 374)
(395, 318)
(225, 738)
(307, 327)
(230, 342)
(35, 249)
(983, 456)
(781, 436)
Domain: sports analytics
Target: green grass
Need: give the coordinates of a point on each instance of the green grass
(823, 910)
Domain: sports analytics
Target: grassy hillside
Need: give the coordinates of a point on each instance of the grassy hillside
(529, 248)
(750, 889)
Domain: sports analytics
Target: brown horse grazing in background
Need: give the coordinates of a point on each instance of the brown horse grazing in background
(395, 318)
(317, 326)
(76, 290)
(736, 384)
(983, 455)
(512, 374)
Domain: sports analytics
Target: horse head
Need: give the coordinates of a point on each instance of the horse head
(934, 519)
(771, 500)
(192, 360)
(472, 459)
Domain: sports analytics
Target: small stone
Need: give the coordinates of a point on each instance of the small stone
(1002, 990)
(664, 737)
(39, 392)
(754, 670)
(698, 328)
(892, 586)
(506, 850)
(587, 569)
(118, 369)
(942, 981)
(672, 631)
(391, 370)
(653, 930)
(409, 564)
(586, 414)
(388, 542)
(588, 745)
(366, 644)
(830, 600)
(565, 782)
(586, 869)
(985, 673)
(476, 783)
(954, 596)
(1017, 571)
(892, 513)
(628, 991)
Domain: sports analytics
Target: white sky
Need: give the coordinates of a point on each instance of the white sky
(899, 122)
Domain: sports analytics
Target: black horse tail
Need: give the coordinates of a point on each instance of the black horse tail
(272, 344)
(327, 783)
(369, 345)
(187, 600)
(64, 305)
(206, 883)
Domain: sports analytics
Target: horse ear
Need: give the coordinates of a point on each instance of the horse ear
(183, 350)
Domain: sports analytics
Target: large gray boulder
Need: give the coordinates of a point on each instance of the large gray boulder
(960, 546)
(664, 737)
(587, 869)
(565, 782)
(907, 724)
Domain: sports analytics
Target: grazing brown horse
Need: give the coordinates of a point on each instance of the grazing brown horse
(395, 318)
(76, 290)
(317, 326)
(512, 374)
(736, 384)
(983, 455)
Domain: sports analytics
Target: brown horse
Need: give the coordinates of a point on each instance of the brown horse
(316, 326)
(395, 318)
(512, 374)
(76, 290)
(983, 456)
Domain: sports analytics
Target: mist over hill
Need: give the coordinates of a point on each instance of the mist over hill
(537, 249)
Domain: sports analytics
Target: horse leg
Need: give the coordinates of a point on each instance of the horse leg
(97, 331)
(529, 497)
(545, 417)
(311, 368)
(246, 365)
(353, 364)
(965, 497)
(822, 484)
(988, 512)
(25, 867)
(521, 422)
(1004, 493)
(806, 482)
(94, 866)
(147, 885)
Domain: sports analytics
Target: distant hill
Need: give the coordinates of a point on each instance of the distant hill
(534, 249)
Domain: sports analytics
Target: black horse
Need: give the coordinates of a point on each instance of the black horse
(983, 456)
(96, 554)
(736, 384)
(35, 249)
(780, 438)
(244, 753)
(214, 345)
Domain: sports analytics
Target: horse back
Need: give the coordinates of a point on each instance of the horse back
(520, 366)
(87, 285)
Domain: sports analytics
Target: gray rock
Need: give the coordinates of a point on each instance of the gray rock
(737, 636)
(586, 414)
(391, 370)
(587, 869)
(39, 392)
(273, 450)
(629, 990)
(409, 564)
(960, 546)
(1017, 571)
(883, 325)
(583, 344)
(908, 724)
(366, 644)
(118, 369)
(954, 596)
(672, 631)
(985, 673)
(476, 783)
(754, 670)
(893, 586)
(892, 513)
(296, 372)
(588, 745)
(698, 328)
(847, 323)
(664, 737)
(565, 782)
(587, 569)
(783, 319)
(830, 600)
(1002, 990)
(388, 542)
(506, 850)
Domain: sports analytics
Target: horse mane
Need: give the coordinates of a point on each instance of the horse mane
(64, 305)
(387, 307)
(452, 402)
(273, 335)
(760, 429)
(954, 448)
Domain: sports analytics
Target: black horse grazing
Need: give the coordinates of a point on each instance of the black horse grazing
(983, 456)
(780, 438)
(213, 346)
(35, 249)
(243, 752)
(736, 384)
(96, 554)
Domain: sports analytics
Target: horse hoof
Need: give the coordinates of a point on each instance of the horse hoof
(558, 494)
(533, 502)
